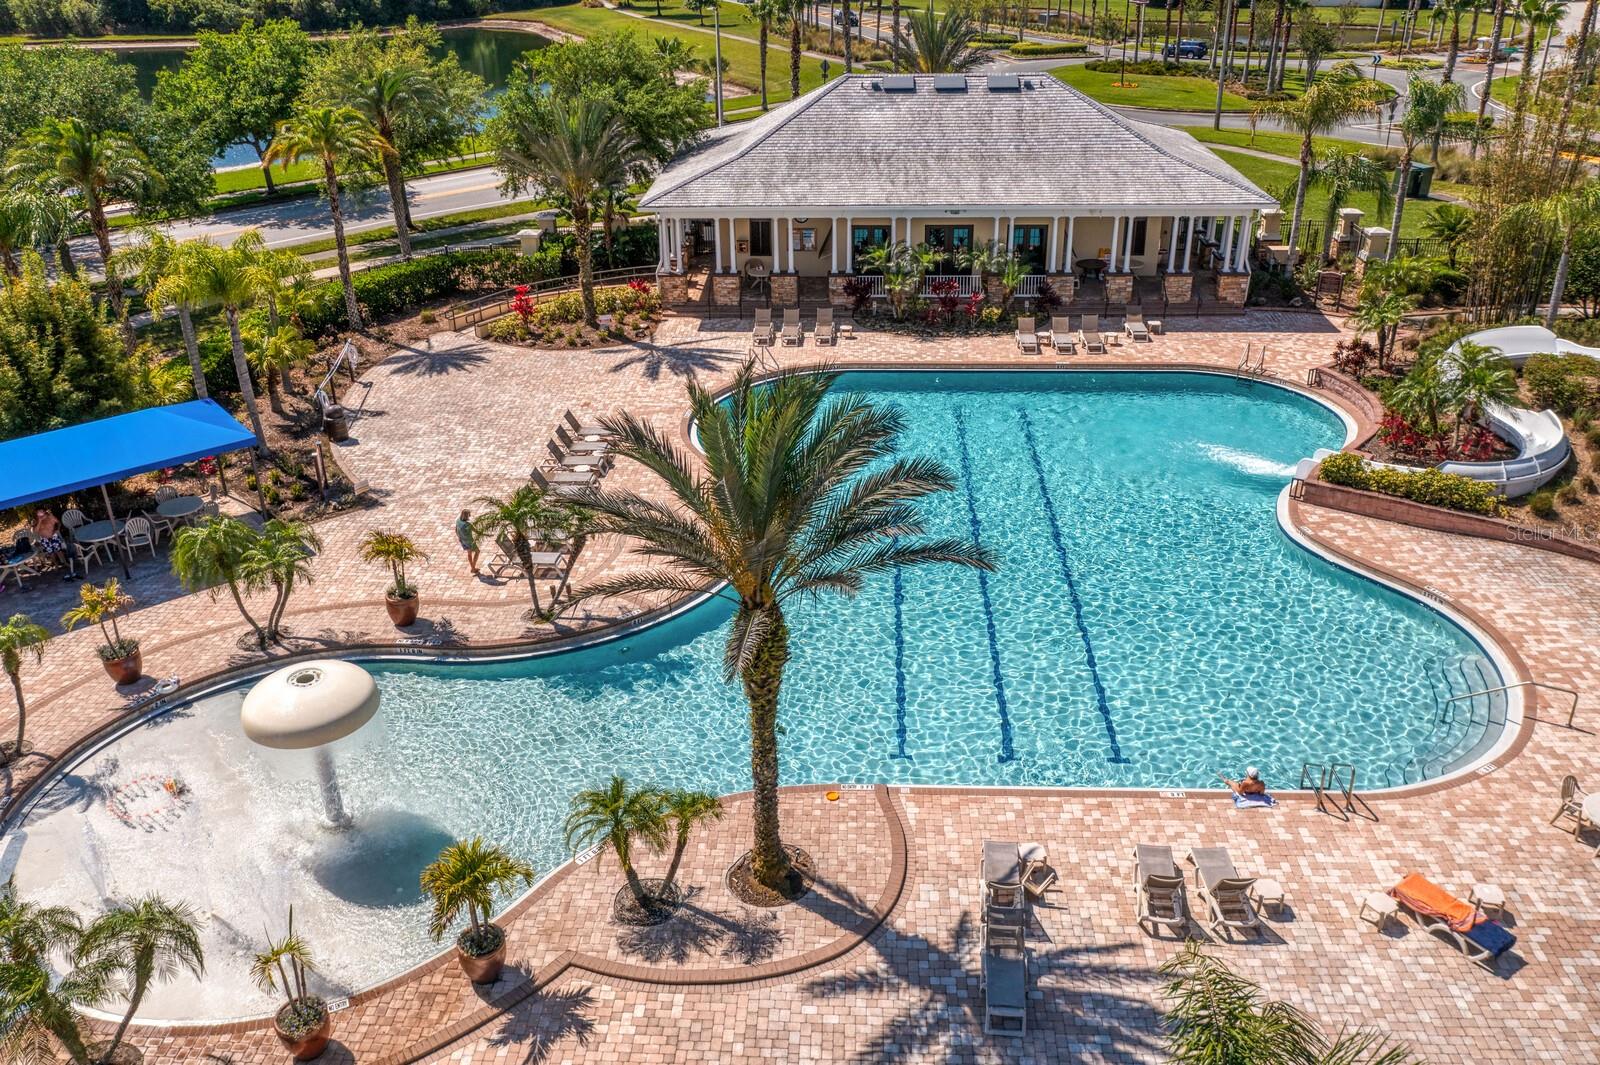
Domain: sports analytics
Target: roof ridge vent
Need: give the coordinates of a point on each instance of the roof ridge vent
(1004, 83)
(899, 83)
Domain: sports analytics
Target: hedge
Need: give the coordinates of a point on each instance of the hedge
(1564, 383)
(1431, 487)
(1043, 48)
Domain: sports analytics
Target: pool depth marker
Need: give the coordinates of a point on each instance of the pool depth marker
(1100, 701)
(1007, 752)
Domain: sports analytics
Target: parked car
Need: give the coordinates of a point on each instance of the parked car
(1185, 49)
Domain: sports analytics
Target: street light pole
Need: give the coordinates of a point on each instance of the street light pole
(1138, 40)
(716, 29)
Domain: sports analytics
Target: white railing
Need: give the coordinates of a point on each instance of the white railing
(966, 284)
(1030, 286)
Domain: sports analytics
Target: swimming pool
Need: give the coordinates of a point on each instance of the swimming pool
(1150, 625)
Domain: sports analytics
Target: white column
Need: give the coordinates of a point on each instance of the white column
(1172, 245)
(1116, 231)
(849, 246)
(833, 245)
(1246, 236)
(733, 247)
(1072, 221)
(1050, 263)
(1188, 241)
(1227, 247)
(788, 243)
(661, 243)
(1127, 244)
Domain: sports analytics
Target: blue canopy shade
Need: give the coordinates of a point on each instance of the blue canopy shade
(95, 453)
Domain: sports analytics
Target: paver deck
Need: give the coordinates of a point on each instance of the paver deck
(464, 418)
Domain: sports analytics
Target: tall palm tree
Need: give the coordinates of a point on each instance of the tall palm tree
(521, 518)
(167, 272)
(783, 506)
(573, 148)
(36, 216)
(1485, 90)
(685, 810)
(1570, 212)
(213, 553)
(221, 277)
(149, 941)
(1453, 9)
(1338, 97)
(766, 13)
(283, 965)
(1578, 56)
(1343, 174)
(615, 816)
(464, 879)
(386, 98)
(100, 166)
(1535, 15)
(797, 16)
(19, 636)
(280, 556)
(1428, 106)
(329, 135)
(937, 43)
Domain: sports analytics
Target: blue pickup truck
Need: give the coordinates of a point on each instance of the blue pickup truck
(1186, 49)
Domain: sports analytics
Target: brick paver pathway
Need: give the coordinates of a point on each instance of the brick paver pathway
(462, 418)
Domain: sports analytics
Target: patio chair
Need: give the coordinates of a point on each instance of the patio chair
(1571, 803)
(18, 558)
(791, 332)
(1001, 873)
(564, 484)
(1089, 335)
(585, 431)
(761, 332)
(1160, 892)
(1461, 924)
(825, 331)
(580, 447)
(1027, 337)
(1229, 907)
(166, 492)
(1004, 978)
(138, 532)
(1061, 337)
(1133, 323)
(570, 461)
(73, 518)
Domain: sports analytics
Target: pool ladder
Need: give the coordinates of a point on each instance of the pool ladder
(1256, 366)
(1334, 784)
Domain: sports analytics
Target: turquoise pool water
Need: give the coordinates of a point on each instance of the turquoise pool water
(1150, 625)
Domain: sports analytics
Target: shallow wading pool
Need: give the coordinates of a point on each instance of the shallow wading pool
(1149, 626)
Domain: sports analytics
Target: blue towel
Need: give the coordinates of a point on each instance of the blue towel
(1493, 937)
(1253, 802)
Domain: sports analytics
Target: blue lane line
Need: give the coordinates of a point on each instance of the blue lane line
(1072, 588)
(899, 665)
(1007, 753)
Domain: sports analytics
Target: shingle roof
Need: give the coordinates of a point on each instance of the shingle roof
(852, 144)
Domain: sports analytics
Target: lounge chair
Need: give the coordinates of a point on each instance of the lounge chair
(564, 484)
(573, 461)
(1571, 803)
(825, 331)
(1460, 923)
(761, 332)
(1027, 338)
(18, 558)
(592, 431)
(580, 447)
(791, 332)
(545, 563)
(1133, 322)
(1061, 336)
(1005, 990)
(1159, 889)
(1229, 907)
(1089, 335)
(1001, 873)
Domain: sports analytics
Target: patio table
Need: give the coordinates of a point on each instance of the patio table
(1096, 267)
(108, 533)
(179, 506)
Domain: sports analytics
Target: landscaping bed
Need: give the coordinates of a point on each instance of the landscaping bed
(633, 311)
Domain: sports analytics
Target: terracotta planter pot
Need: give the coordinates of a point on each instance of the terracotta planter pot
(402, 611)
(485, 969)
(310, 1045)
(125, 670)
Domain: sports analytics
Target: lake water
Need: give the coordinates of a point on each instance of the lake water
(487, 53)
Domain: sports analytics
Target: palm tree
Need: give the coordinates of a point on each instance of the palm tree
(389, 97)
(329, 134)
(273, 355)
(271, 272)
(572, 148)
(1343, 174)
(464, 879)
(522, 518)
(281, 556)
(36, 216)
(938, 43)
(1570, 212)
(1423, 396)
(282, 967)
(169, 272)
(20, 635)
(686, 809)
(1482, 379)
(1454, 9)
(1338, 97)
(766, 13)
(1381, 312)
(149, 941)
(67, 156)
(797, 15)
(1535, 15)
(98, 605)
(213, 553)
(221, 277)
(38, 1011)
(782, 506)
(395, 550)
(1428, 105)
(615, 816)
(1450, 223)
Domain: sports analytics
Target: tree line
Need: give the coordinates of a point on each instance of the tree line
(87, 18)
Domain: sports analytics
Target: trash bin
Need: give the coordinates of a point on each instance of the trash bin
(1419, 182)
(336, 422)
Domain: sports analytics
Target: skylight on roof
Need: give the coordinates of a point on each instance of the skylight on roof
(899, 83)
(1004, 83)
(950, 83)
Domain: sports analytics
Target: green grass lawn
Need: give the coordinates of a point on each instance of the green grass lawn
(743, 59)
(1276, 177)
(1271, 140)
(1158, 91)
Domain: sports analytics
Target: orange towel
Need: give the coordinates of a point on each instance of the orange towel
(1424, 896)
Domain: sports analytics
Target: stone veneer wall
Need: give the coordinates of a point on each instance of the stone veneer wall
(1179, 288)
(1119, 288)
(1232, 289)
(725, 290)
(674, 289)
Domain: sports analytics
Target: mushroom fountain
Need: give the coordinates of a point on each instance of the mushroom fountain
(307, 707)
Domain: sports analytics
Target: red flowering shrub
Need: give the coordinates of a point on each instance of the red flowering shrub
(522, 304)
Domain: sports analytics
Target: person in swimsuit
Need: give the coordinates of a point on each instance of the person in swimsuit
(468, 540)
(50, 538)
(1250, 785)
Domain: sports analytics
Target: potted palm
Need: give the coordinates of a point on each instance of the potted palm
(464, 879)
(99, 605)
(303, 1022)
(395, 550)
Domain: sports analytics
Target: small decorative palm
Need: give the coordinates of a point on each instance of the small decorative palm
(1450, 223)
(395, 550)
(615, 816)
(98, 605)
(19, 636)
(148, 942)
(212, 554)
(282, 968)
(464, 879)
(281, 556)
(686, 809)
(1482, 378)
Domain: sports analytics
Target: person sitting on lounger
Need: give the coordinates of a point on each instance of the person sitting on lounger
(1250, 785)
